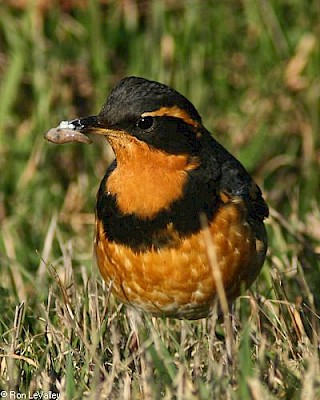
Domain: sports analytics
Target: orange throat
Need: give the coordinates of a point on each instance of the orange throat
(146, 180)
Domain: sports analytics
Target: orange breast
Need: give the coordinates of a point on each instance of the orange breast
(179, 281)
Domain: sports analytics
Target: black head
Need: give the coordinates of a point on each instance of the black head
(151, 112)
(133, 96)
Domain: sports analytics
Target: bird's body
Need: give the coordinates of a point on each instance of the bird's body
(170, 179)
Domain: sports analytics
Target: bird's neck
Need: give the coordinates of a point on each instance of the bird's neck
(147, 181)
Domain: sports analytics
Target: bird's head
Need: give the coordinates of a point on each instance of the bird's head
(139, 111)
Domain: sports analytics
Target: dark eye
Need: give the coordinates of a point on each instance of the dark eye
(145, 123)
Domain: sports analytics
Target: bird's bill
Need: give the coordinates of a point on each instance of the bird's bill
(75, 131)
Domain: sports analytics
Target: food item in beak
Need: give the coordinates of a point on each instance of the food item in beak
(66, 132)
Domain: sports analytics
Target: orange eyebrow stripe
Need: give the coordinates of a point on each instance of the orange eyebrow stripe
(173, 111)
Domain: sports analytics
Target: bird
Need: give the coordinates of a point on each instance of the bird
(171, 182)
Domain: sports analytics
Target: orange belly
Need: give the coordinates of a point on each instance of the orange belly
(179, 281)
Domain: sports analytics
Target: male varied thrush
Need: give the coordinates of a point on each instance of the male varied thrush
(168, 177)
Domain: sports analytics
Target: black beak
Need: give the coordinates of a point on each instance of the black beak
(77, 130)
(83, 125)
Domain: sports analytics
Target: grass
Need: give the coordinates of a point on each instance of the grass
(252, 70)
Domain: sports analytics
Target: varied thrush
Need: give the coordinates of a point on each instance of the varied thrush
(169, 175)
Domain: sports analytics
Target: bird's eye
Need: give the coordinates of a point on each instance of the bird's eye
(145, 123)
